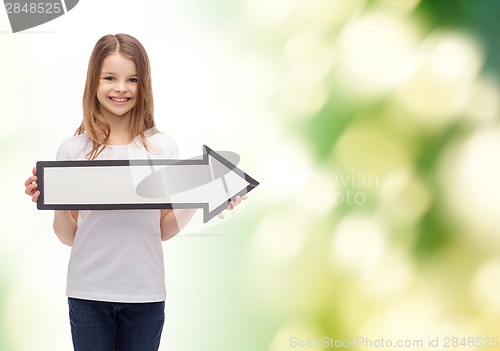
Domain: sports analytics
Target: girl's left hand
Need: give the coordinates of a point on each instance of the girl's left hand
(232, 204)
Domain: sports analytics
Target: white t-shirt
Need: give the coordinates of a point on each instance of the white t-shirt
(117, 255)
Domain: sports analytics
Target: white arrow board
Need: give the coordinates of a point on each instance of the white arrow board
(207, 183)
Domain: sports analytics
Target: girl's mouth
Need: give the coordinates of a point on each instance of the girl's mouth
(119, 100)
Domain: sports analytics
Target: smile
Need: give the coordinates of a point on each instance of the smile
(119, 99)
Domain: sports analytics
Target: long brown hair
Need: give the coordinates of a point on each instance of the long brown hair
(142, 114)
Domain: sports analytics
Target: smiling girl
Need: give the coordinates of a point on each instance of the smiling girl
(115, 283)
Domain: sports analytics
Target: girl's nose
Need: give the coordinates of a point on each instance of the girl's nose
(121, 87)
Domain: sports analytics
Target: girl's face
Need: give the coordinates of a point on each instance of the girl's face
(117, 86)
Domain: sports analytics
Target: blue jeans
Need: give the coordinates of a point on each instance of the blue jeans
(109, 326)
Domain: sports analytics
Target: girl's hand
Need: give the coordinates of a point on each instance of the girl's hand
(232, 204)
(31, 186)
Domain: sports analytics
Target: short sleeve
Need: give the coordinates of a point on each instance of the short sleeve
(64, 151)
(171, 148)
(166, 145)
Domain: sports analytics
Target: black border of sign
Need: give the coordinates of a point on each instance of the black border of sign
(41, 165)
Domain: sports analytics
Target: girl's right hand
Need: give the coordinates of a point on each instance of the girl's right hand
(31, 186)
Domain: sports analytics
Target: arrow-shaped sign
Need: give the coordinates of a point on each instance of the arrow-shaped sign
(207, 183)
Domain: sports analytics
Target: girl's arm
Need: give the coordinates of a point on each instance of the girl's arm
(65, 224)
(172, 221)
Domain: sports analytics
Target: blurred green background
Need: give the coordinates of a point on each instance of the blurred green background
(372, 126)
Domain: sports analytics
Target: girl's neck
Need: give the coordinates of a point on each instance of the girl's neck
(120, 133)
(117, 139)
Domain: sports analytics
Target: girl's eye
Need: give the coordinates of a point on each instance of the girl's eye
(108, 78)
(133, 80)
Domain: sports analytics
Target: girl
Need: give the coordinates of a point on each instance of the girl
(115, 283)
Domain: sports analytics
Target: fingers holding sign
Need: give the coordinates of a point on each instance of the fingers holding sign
(233, 204)
(32, 186)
